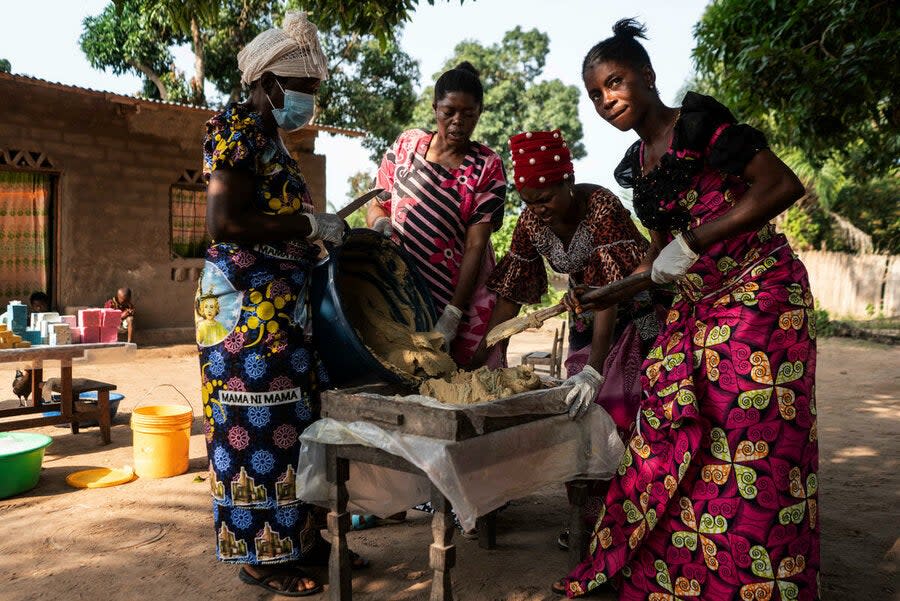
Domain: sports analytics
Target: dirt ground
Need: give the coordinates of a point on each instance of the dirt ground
(153, 538)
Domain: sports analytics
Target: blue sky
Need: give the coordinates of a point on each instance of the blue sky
(48, 48)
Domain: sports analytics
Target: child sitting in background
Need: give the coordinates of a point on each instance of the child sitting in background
(122, 302)
(39, 302)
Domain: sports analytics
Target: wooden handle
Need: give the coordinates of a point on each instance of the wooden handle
(632, 281)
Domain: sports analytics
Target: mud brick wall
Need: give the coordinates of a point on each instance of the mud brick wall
(114, 159)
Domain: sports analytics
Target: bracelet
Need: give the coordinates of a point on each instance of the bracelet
(691, 239)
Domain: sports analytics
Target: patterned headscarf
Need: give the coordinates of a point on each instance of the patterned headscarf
(292, 51)
(540, 159)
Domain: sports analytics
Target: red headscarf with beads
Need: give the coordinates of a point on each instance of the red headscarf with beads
(540, 159)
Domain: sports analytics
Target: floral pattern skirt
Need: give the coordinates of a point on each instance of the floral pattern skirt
(259, 378)
(716, 495)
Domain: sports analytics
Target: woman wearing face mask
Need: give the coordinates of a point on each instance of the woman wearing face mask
(447, 195)
(259, 374)
(715, 498)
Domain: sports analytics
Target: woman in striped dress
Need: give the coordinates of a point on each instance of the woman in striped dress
(447, 196)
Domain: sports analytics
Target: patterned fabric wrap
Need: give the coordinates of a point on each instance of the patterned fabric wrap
(259, 374)
(716, 495)
(540, 159)
(431, 207)
(606, 247)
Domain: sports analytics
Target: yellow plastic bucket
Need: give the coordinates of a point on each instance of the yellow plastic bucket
(162, 436)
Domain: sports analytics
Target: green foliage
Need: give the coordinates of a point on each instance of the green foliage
(823, 71)
(127, 39)
(5, 66)
(360, 183)
(874, 207)
(806, 225)
(824, 326)
(370, 87)
(371, 84)
(379, 18)
(238, 22)
(514, 100)
(502, 238)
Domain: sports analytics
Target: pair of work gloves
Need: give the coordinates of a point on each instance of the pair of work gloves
(672, 263)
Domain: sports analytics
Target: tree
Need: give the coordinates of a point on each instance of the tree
(371, 84)
(824, 70)
(369, 87)
(360, 183)
(5, 66)
(125, 38)
(514, 99)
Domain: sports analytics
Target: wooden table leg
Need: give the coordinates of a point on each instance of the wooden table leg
(578, 496)
(103, 418)
(487, 530)
(339, 577)
(441, 553)
(37, 379)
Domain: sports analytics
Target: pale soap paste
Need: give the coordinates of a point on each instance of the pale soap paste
(396, 345)
(483, 384)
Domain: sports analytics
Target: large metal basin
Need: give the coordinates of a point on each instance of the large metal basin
(367, 254)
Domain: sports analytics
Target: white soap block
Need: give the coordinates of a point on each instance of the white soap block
(37, 318)
(60, 334)
(48, 321)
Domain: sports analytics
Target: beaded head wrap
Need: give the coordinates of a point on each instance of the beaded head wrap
(540, 159)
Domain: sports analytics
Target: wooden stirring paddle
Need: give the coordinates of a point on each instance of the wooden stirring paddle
(609, 295)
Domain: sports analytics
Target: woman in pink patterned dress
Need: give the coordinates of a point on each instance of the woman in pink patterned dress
(447, 196)
(715, 498)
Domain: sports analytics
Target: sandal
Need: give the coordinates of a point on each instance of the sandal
(562, 541)
(287, 578)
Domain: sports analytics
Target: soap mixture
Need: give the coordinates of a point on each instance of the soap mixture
(483, 384)
(377, 298)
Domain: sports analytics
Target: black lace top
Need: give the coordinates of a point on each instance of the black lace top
(694, 147)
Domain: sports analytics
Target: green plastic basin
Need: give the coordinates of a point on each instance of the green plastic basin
(21, 455)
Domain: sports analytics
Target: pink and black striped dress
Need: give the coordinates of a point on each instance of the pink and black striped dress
(431, 208)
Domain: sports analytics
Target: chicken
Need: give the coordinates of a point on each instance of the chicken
(21, 385)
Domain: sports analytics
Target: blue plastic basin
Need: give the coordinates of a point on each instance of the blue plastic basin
(114, 399)
(347, 359)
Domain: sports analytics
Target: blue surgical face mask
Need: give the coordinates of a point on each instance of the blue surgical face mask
(298, 109)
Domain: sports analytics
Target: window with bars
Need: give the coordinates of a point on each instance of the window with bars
(189, 238)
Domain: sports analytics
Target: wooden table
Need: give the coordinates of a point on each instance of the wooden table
(388, 413)
(35, 356)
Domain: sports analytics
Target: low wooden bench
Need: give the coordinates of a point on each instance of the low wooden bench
(80, 410)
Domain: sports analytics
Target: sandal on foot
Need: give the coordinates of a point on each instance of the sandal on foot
(287, 578)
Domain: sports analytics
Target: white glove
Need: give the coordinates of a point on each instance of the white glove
(448, 323)
(326, 227)
(383, 226)
(673, 261)
(586, 384)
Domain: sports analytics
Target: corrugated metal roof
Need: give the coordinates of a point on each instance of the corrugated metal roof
(136, 100)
